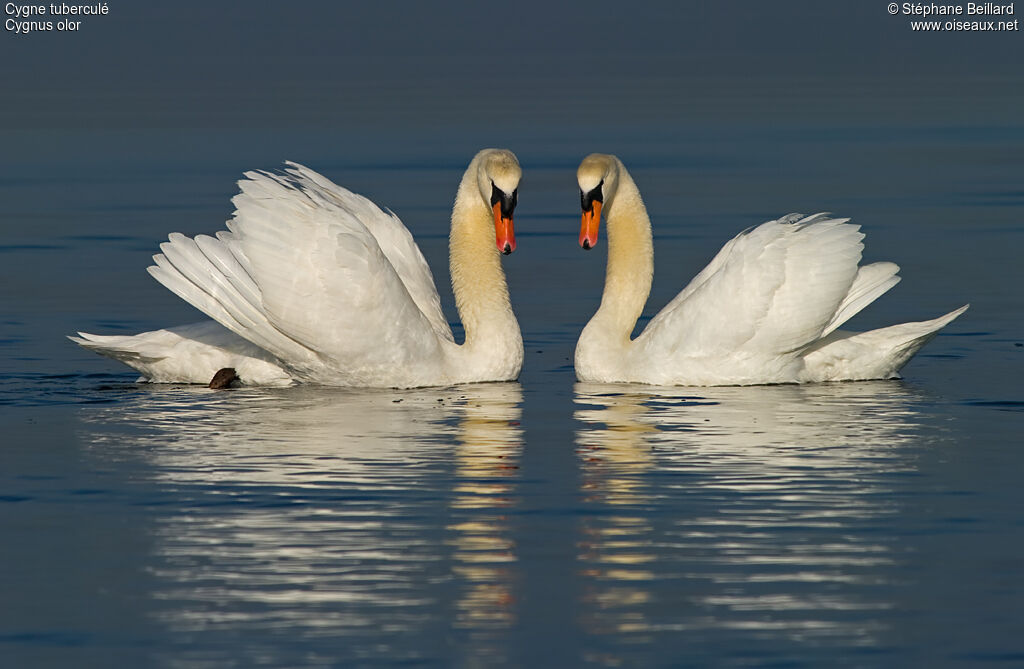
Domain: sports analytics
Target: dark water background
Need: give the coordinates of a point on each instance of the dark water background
(543, 522)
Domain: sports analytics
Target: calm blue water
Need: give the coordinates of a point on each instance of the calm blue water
(540, 522)
(543, 522)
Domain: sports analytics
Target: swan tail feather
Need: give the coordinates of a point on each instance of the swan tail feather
(875, 354)
(129, 349)
(190, 353)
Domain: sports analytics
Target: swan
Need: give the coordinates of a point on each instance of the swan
(765, 310)
(313, 283)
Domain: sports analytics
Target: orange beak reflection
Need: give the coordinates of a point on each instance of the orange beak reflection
(588, 227)
(505, 231)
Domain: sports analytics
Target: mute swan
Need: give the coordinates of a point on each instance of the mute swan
(765, 310)
(313, 283)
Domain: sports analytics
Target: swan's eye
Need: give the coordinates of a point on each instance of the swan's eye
(588, 199)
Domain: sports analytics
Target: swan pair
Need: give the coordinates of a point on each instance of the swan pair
(313, 283)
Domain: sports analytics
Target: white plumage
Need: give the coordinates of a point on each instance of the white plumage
(314, 283)
(765, 310)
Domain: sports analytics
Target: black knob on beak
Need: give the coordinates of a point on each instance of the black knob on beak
(588, 199)
(508, 202)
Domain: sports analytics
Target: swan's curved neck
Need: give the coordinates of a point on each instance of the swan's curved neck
(630, 269)
(478, 280)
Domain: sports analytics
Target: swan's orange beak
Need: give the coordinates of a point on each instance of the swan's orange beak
(504, 229)
(588, 227)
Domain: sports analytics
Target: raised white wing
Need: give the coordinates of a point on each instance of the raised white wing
(394, 239)
(318, 276)
(772, 290)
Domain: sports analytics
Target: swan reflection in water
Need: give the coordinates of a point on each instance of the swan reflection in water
(327, 513)
(745, 509)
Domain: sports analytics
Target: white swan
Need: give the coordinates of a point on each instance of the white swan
(313, 283)
(765, 310)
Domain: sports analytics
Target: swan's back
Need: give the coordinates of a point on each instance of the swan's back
(767, 310)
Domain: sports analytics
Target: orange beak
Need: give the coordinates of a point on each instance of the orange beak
(505, 230)
(588, 227)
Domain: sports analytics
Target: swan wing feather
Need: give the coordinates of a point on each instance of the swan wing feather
(753, 299)
(871, 282)
(302, 276)
(395, 240)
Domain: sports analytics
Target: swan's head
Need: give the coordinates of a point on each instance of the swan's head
(498, 175)
(598, 176)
